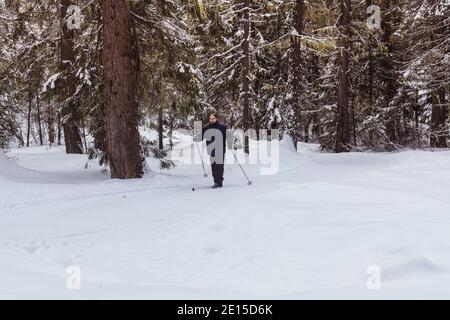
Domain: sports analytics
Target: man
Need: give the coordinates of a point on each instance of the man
(215, 134)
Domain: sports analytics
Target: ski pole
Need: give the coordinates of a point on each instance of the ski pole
(242, 169)
(201, 158)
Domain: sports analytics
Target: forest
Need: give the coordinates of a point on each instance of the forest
(352, 76)
(334, 181)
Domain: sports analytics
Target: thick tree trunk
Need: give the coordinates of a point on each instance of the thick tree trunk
(69, 111)
(122, 134)
(343, 126)
(296, 70)
(246, 75)
(439, 130)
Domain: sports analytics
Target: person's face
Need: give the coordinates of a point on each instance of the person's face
(212, 119)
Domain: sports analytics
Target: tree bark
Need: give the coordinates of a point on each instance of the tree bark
(160, 128)
(83, 130)
(51, 125)
(122, 134)
(59, 128)
(439, 113)
(343, 127)
(371, 79)
(389, 77)
(439, 130)
(296, 70)
(70, 110)
(171, 124)
(371, 67)
(30, 101)
(38, 106)
(246, 75)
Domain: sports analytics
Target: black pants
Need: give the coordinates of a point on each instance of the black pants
(217, 172)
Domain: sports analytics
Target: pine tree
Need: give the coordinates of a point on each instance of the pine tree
(316, 70)
(428, 29)
(70, 111)
(120, 91)
(343, 123)
(297, 65)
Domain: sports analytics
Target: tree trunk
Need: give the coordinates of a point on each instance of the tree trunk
(69, 110)
(83, 130)
(296, 71)
(390, 74)
(59, 128)
(160, 128)
(30, 100)
(371, 80)
(171, 122)
(51, 125)
(439, 130)
(416, 120)
(343, 127)
(371, 68)
(246, 75)
(122, 134)
(38, 105)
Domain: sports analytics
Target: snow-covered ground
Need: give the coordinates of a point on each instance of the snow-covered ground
(310, 231)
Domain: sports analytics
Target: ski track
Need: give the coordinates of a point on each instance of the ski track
(309, 231)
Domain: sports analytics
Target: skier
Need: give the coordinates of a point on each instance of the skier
(215, 134)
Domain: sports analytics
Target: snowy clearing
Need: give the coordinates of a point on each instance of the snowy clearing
(310, 231)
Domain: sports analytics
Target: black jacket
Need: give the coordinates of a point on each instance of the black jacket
(210, 134)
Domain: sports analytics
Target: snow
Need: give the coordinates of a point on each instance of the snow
(51, 82)
(309, 231)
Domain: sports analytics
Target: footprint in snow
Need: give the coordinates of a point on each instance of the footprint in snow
(31, 248)
(212, 249)
(218, 227)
